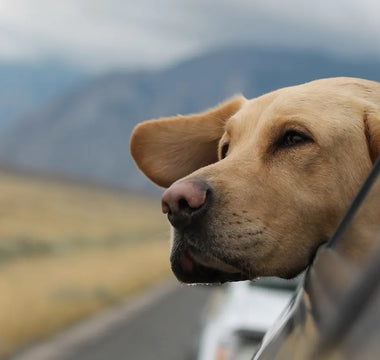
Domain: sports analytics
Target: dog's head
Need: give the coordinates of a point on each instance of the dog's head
(255, 186)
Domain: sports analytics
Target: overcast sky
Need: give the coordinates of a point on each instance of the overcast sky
(103, 34)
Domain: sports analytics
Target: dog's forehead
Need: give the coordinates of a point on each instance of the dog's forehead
(323, 97)
(307, 101)
(320, 105)
(247, 118)
(279, 105)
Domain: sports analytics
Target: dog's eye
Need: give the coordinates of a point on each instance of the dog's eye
(293, 138)
(224, 150)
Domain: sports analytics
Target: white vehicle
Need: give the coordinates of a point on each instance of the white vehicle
(238, 316)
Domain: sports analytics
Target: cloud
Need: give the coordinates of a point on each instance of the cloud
(100, 34)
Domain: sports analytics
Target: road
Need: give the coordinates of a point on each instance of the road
(162, 324)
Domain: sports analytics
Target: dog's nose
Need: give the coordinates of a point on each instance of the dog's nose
(185, 201)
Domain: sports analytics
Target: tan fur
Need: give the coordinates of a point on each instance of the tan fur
(170, 148)
(372, 123)
(273, 207)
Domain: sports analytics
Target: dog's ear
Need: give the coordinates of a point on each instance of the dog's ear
(372, 131)
(168, 149)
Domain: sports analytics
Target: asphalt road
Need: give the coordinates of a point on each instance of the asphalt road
(150, 328)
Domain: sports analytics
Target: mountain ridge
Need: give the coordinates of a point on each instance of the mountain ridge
(26, 86)
(85, 132)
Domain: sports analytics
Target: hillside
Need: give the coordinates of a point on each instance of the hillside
(24, 87)
(85, 133)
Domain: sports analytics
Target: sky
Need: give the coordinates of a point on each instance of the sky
(108, 34)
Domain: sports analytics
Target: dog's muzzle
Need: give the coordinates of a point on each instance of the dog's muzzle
(186, 204)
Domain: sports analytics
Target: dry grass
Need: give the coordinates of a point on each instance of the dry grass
(32, 208)
(40, 295)
(67, 250)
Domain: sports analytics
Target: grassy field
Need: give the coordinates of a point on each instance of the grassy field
(67, 250)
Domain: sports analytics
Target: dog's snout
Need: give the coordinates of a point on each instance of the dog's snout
(184, 201)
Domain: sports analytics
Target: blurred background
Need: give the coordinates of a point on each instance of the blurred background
(81, 230)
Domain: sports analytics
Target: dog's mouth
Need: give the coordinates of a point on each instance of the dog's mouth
(190, 266)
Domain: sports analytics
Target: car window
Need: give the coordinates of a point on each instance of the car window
(357, 240)
(336, 310)
(361, 224)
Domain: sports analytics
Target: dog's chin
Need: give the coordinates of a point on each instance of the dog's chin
(191, 266)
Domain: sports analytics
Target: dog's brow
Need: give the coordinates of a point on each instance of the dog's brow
(229, 124)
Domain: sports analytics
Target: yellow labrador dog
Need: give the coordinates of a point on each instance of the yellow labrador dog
(255, 186)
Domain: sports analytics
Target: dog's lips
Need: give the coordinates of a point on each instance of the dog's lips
(208, 260)
(187, 262)
(191, 266)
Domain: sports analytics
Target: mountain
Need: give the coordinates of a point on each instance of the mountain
(85, 133)
(24, 87)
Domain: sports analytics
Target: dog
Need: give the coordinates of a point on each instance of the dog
(254, 187)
